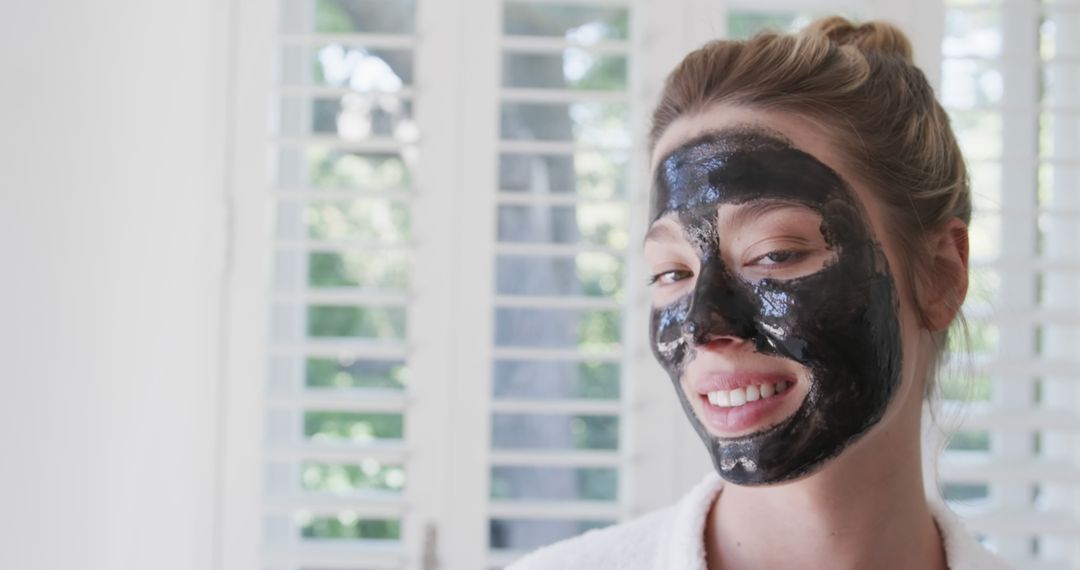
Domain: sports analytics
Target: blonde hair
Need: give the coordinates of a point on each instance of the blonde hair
(860, 82)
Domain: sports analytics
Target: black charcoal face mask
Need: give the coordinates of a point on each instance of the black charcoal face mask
(840, 322)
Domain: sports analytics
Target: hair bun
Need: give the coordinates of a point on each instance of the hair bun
(872, 36)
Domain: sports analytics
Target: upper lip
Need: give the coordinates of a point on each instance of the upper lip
(729, 380)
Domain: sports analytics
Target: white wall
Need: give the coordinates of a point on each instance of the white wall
(111, 168)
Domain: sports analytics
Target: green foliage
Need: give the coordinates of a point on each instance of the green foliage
(978, 132)
(600, 176)
(603, 224)
(586, 526)
(963, 388)
(376, 220)
(601, 275)
(386, 271)
(984, 286)
(331, 373)
(332, 18)
(595, 432)
(599, 380)
(1046, 185)
(342, 169)
(981, 337)
(984, 337)
(538, 20)
(605, 73)
(352, 426)
(385, 323)
(965, 491)
(345, 526)
(970, 440)
(744, 25)
(369, 475)
(590, 484)
(598, 484)
(599, 330)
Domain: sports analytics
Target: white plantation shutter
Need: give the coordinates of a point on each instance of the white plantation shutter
(561, 273)
(1010, 81)
(442, 360)
(348, 472)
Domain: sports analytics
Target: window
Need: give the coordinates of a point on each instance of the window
(561, 277)
(1009, 83)
(451, 365)
(343, 164)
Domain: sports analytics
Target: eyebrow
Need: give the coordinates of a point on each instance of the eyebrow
(760, 207)
(739, 218)
(661, 232)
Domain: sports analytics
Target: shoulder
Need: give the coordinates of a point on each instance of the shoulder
(629, 545)
(667, 538)
(961, 549)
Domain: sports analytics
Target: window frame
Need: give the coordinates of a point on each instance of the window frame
(450, 316)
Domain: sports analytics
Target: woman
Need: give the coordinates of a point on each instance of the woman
(808, 251)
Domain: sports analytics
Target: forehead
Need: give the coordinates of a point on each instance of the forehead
(797, 130)
(739, 165)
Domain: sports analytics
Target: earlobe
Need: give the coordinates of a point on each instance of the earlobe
(947, 283)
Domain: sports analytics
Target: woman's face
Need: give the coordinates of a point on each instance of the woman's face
(776, 309)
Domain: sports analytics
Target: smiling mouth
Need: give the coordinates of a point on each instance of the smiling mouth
(739, 411)
(742, 396)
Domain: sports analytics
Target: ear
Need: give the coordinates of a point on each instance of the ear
(947, 282)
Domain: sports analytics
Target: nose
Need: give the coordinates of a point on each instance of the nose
(718, 315)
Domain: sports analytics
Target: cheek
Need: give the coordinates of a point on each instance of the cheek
(665, 295)
(666, 332)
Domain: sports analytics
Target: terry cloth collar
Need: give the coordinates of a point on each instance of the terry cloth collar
(683, 543)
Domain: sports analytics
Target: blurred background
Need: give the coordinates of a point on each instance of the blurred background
(356, 284)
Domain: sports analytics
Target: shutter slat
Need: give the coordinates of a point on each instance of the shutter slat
(556, 458)
(342, 349)
(330, 91)
(554, 147)
(509, 197)
(553, 249)
(557, 354)
(558, 45)
(339, 453)
(344, 296)
(566, 302)
(589, 407)
(342, 400)
(376, 507)
(526, 95)
(962, 468)
(553, 510)
(339, 246)
(380, 41)
(370, 145)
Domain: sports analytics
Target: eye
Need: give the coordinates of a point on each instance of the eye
(778, 257)
(669, 277)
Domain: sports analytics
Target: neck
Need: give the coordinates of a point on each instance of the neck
(863, 509)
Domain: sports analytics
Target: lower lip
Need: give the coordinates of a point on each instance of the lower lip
(744, 418)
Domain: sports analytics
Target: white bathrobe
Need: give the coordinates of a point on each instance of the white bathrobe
(673, 539)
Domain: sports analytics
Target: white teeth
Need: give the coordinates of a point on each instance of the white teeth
(752, 394)
(740, 396)
(767, 390)
(723, 399)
